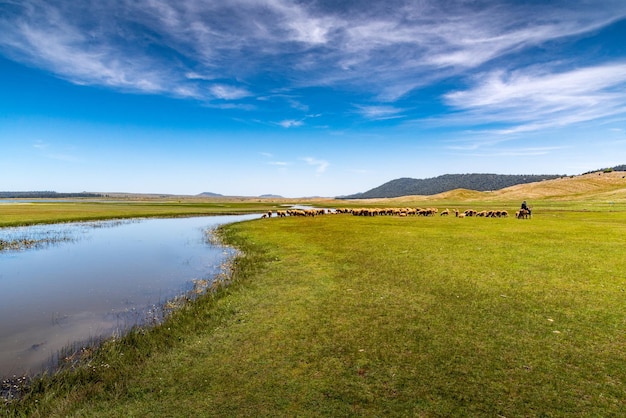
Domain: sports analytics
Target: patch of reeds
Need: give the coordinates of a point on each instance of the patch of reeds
(28, 243)
(41, 236)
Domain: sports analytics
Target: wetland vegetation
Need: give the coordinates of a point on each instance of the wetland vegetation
(342, 315)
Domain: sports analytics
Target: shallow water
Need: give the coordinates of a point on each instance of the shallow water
(91, 280)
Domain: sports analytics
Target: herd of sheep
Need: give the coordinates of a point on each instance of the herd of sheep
(520, 214)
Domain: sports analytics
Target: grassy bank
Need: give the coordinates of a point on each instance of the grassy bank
(382, 316)
(52, 212)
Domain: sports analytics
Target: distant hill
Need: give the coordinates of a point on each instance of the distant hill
(431, 186)
(209, 194)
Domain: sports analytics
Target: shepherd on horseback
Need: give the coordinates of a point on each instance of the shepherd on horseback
(526, 208)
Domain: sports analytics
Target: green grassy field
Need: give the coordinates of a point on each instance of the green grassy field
(340, 315)
(50, 212)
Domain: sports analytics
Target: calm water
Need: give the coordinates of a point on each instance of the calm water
(99, 279)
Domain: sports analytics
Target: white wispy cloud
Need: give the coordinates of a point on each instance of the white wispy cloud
(379, 112)
(40, 145)
(51, 152)
(290, 123)
(44, 36)
(515, 152)
(226, 92)
(421, 42)
(293, 123)
(197, 76)
(269, 155)
(538, 98)
(321, 165)
(299, 24)
(208, 49)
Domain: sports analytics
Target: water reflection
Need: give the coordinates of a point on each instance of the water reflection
(97, 279)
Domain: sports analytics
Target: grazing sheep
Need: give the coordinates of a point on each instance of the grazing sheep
(396, 211)
(427, 212)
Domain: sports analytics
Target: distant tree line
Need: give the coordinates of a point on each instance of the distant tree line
(609, 169)
(45, 195)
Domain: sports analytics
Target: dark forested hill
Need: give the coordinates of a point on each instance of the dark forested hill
(478, 182)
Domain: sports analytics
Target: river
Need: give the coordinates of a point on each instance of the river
(87, 281)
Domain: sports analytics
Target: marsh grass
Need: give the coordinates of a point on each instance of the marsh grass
(386, 316)
(15, 240)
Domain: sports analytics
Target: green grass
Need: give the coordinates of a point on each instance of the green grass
(383, 316)
(46, 212)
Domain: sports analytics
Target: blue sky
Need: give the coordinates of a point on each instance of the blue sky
(305, 98)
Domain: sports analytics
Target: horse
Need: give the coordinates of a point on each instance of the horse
(522, 214)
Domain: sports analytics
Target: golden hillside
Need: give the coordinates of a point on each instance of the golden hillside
(595, 186)
(588, 186)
